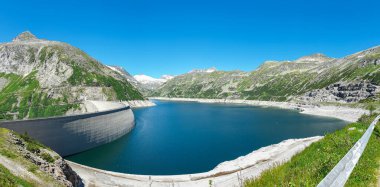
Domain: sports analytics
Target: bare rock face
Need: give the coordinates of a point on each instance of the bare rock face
(316, 58)
(3, 83)
(56, 167)
(25, 36)
(125, 74)
(343, 92)
(50, 69)
(27, 53)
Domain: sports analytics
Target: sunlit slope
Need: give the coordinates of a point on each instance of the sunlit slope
(41, 78)
(277, 80)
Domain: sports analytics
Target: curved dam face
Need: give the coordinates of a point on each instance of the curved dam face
(68, 135)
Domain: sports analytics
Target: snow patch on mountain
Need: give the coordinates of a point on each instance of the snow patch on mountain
(209, 70)
(150, 82)
(115, 69)
(144, 79)
(167, 77)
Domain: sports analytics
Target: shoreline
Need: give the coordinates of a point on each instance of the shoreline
(339, 112)
(228, 173)
(139, 103)
(90, 106)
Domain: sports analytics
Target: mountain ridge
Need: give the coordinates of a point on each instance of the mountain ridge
(285, 80)
(44, 78)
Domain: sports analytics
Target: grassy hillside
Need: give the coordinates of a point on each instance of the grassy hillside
(279, 81)
(25, 162)
(40, 78)
(310, 166)
(219, 84)
(24, 97)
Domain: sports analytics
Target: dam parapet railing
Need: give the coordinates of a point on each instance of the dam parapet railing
(339, 175)
(75, 133)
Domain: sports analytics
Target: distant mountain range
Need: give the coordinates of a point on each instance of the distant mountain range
(143, 83)
(313, 78)
(151, 83)
(43, 78)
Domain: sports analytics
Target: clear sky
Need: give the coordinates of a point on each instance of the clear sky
(174, 36)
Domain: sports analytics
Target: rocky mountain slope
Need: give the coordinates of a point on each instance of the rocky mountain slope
(149, 83)
(217, 84)
(44, 78)
(25, 162)
(352, 78)
(126, 75)
(143, 83)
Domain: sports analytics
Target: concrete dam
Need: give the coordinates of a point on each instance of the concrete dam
(72, 134)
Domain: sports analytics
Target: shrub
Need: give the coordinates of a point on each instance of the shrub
(47, 157)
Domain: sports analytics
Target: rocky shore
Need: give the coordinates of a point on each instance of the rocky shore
(229, 173)
(344, 92)
(140, 103)
(343, 113)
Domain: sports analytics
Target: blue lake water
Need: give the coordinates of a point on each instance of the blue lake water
(188, 137)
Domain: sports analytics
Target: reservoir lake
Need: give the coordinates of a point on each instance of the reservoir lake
(189, 137)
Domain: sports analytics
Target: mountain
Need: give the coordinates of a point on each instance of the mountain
(314, 58)
(217, 84)
(350, 79)
(126, 75)
(43, 78)
(26, 162)
(209, 70)
(149, 83)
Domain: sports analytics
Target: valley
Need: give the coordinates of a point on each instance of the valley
(50, 79)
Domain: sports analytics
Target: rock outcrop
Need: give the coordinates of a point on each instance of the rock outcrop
(314, 58)
(50, 162)
(346, 92)
(125, 74)
(33, 163)
(148, 83)
(47, 74)
(285, 80)
(25, 36)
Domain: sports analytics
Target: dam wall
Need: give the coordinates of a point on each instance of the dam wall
(68, 135)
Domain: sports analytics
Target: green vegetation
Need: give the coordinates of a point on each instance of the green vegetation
(33, 168)
(310, 166)
(123, 89)
(43, 54)
(22, 97)
(32, 56)
(372, 56)
(36, 147)
(10, 151)
(7, 153)
(32, 145)
(7, 179)
(47, 157)
(278, 89)
(371, 108)
(276, 81)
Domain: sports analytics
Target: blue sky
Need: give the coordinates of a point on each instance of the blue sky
(175, 36)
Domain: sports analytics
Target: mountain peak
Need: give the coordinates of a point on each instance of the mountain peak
(316, 57)
(209, 70)
(25, 36)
